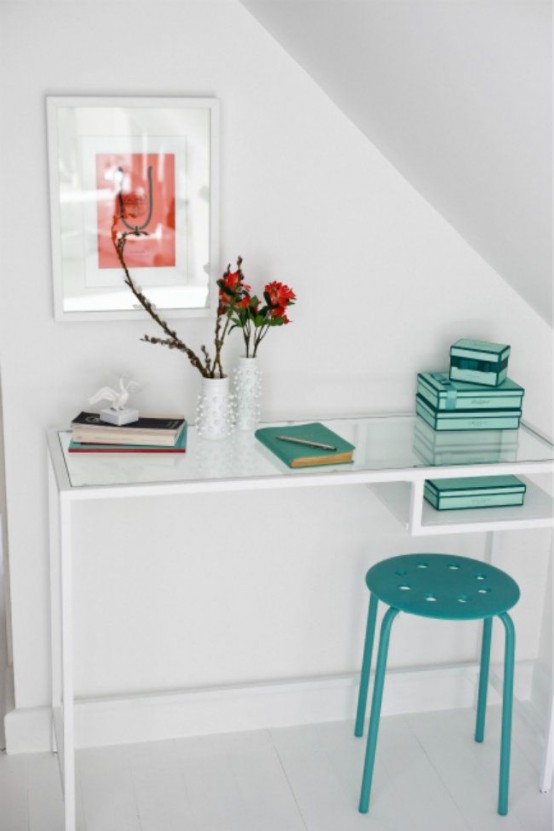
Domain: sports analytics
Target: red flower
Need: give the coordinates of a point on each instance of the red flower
(247, 313)
(231, 280)
(278, 311)
(232, 291)
(279, 294)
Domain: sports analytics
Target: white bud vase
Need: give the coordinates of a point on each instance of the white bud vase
(214, 418)
(248, 393)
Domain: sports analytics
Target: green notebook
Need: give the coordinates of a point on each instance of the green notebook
(296, 454)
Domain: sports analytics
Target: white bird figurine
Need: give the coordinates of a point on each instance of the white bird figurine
(118, 399)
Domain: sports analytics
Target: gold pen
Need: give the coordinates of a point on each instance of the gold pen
(306, 442)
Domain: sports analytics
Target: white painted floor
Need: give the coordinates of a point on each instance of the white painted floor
(430, 776)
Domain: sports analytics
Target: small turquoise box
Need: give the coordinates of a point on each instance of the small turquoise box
(443, 394)
(467, 419)
(479, 362)
(474, 492)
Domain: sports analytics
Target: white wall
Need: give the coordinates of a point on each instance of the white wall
(275, 589)
(458, 96)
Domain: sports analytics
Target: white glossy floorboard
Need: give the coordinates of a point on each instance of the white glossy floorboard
(430, 775)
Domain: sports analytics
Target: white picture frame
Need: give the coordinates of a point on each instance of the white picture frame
(153, 161)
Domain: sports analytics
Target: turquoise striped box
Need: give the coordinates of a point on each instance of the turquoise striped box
(479, 362)
(474, 492)
(444, 394)
(467, 419)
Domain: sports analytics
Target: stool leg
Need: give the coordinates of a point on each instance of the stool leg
(366, 665)
(483, 680)
(507, 702)
(376, 708)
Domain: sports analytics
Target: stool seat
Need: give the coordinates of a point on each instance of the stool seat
(442, 586)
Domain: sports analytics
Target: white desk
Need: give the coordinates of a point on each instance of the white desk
(394, 455)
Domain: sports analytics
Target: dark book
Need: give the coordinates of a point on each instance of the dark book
(297, 445)
(152, 430)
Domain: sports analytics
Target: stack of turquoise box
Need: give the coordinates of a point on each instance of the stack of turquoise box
(475, 394)
(463, 415)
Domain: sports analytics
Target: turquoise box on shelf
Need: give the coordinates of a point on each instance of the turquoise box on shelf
(467, 419)
(443, 394)
(479, 362)
(474, 492)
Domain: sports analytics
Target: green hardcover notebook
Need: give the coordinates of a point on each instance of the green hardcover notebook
(302, 455)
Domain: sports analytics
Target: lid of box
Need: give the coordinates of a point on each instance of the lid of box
(480, 349)
(477, 483)
(442, 384)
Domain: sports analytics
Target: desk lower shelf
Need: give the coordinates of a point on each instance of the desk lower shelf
(536, 512)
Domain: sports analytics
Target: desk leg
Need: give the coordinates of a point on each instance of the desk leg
(61, 642)
(545, 784)
(55, 612)
(547, 773)
(492, 548)
(416, 506)
(67, 662)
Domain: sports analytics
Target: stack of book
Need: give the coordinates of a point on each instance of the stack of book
(154, 434)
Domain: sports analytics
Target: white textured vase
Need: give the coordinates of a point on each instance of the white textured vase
(248, 393)
(215, 414)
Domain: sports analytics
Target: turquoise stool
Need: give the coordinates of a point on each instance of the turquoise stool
(448, 588)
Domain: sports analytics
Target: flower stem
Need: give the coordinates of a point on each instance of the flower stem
(173, 342)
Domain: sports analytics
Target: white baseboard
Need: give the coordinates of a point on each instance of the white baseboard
(144, 718)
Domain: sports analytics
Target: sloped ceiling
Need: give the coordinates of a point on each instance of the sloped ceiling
(457, 94)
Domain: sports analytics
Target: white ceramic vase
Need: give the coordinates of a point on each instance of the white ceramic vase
(248, 393)
(215, 412)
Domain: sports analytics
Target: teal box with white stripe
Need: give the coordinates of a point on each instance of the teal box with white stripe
(467, 419)
(479, 362)
(444, 394)
(474, 492)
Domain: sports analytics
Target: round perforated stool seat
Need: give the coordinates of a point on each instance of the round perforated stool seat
(442, 586)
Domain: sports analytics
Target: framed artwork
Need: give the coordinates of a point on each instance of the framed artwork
(148, 165)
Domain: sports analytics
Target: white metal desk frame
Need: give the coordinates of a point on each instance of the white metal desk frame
(62, 496)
